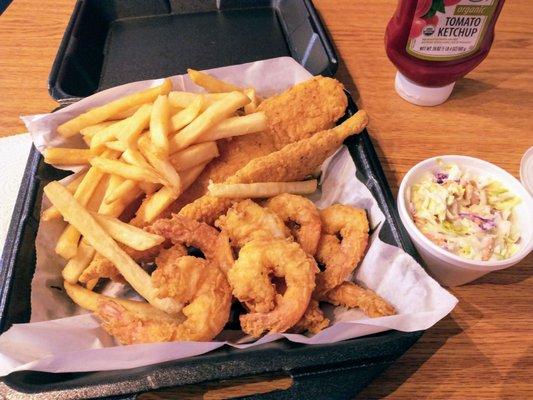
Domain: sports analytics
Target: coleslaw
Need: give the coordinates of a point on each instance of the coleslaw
(468, 215)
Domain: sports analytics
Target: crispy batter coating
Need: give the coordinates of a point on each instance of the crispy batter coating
(351, 295)
(251, 284)
(302, 217)
(204, 316)
(340, 257)
(247, 220)
(297, 113)
(313, 320)
(293, 162)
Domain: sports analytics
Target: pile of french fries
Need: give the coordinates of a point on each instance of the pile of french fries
(150, 145)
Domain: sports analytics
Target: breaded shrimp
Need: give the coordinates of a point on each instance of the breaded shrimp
(250, 281)
(351, 295)
(205, 315)
(340, 257)
(247, 220)
(312, 321)
(302, 218)
(184, 231)
(178, 275)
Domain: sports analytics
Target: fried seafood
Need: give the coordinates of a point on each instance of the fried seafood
(247, 220)
(351, 295)
(297, 113)
(250, 281)
(313, 320)
(205, 314)
(293, 162)
(302, 218)
(178, 275)
(196, 282)
(101, 268)
(340, 256)
(184, 231)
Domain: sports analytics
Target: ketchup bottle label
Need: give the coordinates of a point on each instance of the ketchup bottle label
(444, 30)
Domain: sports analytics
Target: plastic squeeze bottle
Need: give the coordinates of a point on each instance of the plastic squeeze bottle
(433, 43)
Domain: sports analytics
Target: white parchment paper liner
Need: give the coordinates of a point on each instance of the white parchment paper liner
(59, 340)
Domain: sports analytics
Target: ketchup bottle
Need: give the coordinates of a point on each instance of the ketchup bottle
(433, 43)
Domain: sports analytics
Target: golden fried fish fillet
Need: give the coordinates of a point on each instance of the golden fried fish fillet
(293, 162)
(297, 113)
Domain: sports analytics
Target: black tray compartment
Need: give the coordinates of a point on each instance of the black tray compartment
(103, 46)
(112, 42)
(334, 371)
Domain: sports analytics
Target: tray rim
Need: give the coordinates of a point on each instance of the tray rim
(29, 191)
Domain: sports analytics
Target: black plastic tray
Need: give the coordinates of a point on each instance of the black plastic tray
(345, 367)
(111, 42)
(82, 66)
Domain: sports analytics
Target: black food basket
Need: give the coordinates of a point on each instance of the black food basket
(111, 42)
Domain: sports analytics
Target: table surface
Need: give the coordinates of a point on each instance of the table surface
(484, 349)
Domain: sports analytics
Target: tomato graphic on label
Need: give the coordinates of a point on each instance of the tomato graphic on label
(416, 27)
(448, 3)
(434, 20)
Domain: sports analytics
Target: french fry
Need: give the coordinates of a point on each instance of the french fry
(161, 165)
(51, 212)
(78, 263)
(194, 155)
(213, 115)
(179, 99)
(108, 134)
(67, 244)
(135, 125)
(87, 140)
(127, 234)
(85, 189)
(154, 205)
(185, 116)
(127, 171)
(234, 126)
(116, 145)
(90, 300)
(260, 189)
(91, 130)
(134, 157)
(210, 83)
(124, 114)
(121, 191)
(160, 126)
(65, 156)
(106, 111)
(74, 213)
(251, 107)
(116, 208)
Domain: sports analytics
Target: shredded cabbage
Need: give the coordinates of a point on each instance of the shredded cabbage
(471, 216)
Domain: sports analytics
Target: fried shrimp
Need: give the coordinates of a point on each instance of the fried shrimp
(185, 231)
(250, 281)
(204, 316)
(313, 320)
(340, 256)
(196, 282)
(180, 286)
(247, 220)
(351, 295)
(302, 218)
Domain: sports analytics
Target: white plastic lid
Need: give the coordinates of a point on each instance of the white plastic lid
(421, 95)
(526, 170)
